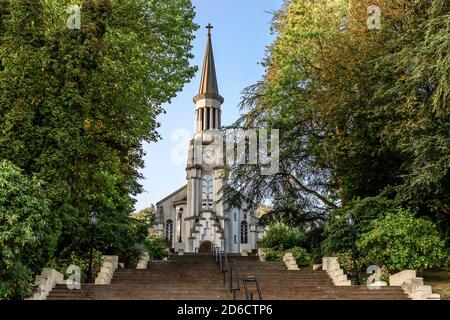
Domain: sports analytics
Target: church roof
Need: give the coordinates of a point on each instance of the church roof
(208, 83)
(172, 194)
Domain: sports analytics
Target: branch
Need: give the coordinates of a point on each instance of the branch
(310, 191)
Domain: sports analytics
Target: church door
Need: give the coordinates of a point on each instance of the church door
(205, 246)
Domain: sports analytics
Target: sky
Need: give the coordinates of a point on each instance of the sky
(240, 36)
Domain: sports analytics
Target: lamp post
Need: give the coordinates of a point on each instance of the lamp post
(93, 220)
(351, 224)
(180, 214)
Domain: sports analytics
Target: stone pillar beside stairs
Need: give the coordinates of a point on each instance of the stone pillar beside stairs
(332, 267)
(46, 282)
(262, 254)
(290, 262)
(143, 261)
(109, 265)
(413, 286)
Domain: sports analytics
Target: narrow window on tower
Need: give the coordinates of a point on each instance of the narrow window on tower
(244, 232)
(169, 232)
(202, 118)
(208, 124)
(207, 191)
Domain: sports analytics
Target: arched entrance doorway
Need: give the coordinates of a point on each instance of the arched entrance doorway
(205, 246)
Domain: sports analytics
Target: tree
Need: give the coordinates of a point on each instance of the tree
(145, 215)
(28, 231)
(419, 96)
(337, 236)
(77, 105)
(361, 112)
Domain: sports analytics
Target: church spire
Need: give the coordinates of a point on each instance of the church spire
(208, 82)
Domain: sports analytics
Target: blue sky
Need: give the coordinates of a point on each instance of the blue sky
(240, 36)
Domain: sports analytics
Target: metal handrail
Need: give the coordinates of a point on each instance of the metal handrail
(232, 270)
(215, 252)
(226, 268)
(233, 290)
(248, 293)
(238, 276)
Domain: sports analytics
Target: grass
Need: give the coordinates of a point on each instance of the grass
(439, 281)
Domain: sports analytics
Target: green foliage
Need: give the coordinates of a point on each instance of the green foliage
(346, 262)
(17, 285)
(28, 231)
(81, 261)
(273, 254)
(302, 257)
(153, 245)
(132, 255)
(401, 241)
(156, 247)
(345, 259)
(145, 215)
(282, 237)
(337, 233)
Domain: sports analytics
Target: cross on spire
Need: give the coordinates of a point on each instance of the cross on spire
(209, 27)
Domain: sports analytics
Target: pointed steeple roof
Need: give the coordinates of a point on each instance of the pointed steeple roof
(208, 83)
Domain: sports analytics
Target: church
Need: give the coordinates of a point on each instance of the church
(195, 218)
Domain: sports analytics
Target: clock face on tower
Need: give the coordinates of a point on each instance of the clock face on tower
(209, 156)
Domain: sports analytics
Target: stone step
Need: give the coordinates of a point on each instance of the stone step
(197, 277)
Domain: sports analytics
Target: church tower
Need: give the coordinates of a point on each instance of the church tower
(195, 218)
(204, 222)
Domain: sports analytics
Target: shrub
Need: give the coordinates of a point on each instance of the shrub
(274, 255)
(282, 237)
(132, 255)
(156, 247)
(81, 261)
(301, 256)
(28, 232)
(401, 241)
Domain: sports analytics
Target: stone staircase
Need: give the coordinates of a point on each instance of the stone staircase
(197, 277)
(187, 277)
(278, 283)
